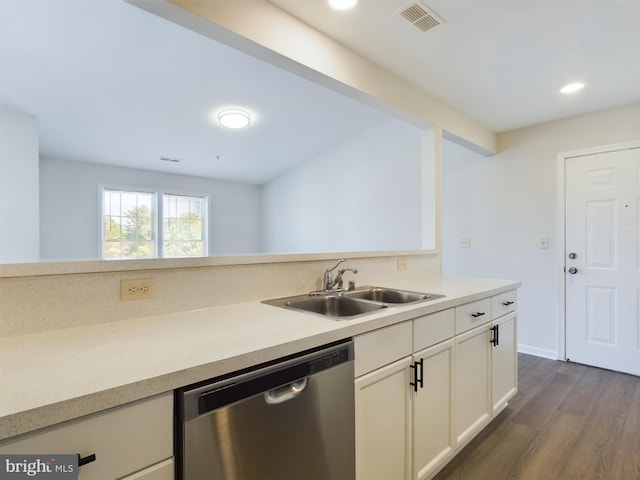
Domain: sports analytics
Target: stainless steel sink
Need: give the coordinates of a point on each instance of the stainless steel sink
(390, 295)
(334, 305)
(351, 304)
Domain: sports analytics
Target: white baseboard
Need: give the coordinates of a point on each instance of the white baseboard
(537, 351)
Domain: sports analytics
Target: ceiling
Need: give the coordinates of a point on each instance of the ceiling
(113, 84)
(502, 62)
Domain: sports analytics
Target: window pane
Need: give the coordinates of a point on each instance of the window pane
(128, 224)
(184, 226)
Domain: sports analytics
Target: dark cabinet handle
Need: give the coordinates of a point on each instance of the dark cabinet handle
(506, 304)
(477, 314)
(84, 460)
(418, 374)
(495, 340)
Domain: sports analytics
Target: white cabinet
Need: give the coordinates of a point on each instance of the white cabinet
(403, 407)
(472, 383)
(504, 351)
(485, 362)
(135, 440)
(383, 423)
(504, 362)
(383, 403)
(433, 440)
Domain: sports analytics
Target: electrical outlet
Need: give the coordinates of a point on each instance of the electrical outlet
(544, 242)
(137, 289)
(465, 243)
(402, 264)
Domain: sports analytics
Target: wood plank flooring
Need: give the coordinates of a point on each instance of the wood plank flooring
(568, 421)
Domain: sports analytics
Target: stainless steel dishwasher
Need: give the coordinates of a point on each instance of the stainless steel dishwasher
(289, 420)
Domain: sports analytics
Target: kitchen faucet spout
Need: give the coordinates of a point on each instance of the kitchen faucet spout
(338, 279)
(329, 282)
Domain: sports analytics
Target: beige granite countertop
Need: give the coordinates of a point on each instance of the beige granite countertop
(50, 377)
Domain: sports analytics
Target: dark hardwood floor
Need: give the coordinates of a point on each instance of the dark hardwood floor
(568, 421)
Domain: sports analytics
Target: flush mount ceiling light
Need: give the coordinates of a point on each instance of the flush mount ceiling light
(234, 118)
(342, 4)
(572, 88)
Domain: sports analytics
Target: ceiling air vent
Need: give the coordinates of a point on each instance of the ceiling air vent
(420, 16)
(170, 159)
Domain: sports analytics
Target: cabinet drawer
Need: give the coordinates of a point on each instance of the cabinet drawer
(504, 303)
(382, 347)
(472, 314)
(124, 439)
(434, 328)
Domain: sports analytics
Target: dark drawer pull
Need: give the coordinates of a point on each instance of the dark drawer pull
(84, 460)
(506, 304)
(477, 314)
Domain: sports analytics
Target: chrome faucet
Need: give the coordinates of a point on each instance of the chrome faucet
(329, 282)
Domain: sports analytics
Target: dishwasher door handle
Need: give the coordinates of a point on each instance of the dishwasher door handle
(285, 392)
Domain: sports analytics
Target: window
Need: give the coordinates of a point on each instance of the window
(183, 226)
(132, 217)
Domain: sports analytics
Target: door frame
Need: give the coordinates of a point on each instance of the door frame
(561, 193)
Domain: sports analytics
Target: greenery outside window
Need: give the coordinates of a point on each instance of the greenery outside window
(184, 226)
(131, 220)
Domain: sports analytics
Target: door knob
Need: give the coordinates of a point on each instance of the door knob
(572, 270)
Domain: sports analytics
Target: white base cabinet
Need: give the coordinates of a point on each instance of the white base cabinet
(426, 387)
(504, 362)
(134, 441)
(403, 409)
(472, 383)
(433, 441)
(383, 423)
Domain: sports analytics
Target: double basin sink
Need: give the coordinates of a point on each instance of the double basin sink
(353, 303)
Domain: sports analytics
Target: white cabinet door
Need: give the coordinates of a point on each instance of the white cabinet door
(124, 439)
(433, 440)
(472, 383)
(504, 362)
(384, 423)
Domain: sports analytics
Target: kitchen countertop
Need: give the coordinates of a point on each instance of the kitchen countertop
(49, 377)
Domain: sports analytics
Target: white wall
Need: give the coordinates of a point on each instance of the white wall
(371, 182)
(70, 211)
(506, 203)
(19, 231)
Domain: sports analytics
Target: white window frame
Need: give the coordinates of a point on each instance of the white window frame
(157, 217)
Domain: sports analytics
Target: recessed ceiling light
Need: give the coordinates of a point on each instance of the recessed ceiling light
(572, 88)
(342, 4)
(234, 118)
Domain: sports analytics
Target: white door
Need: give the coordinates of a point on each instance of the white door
(602, 277)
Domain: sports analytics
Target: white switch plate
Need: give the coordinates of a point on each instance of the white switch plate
(465, 243)
(544, 242)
